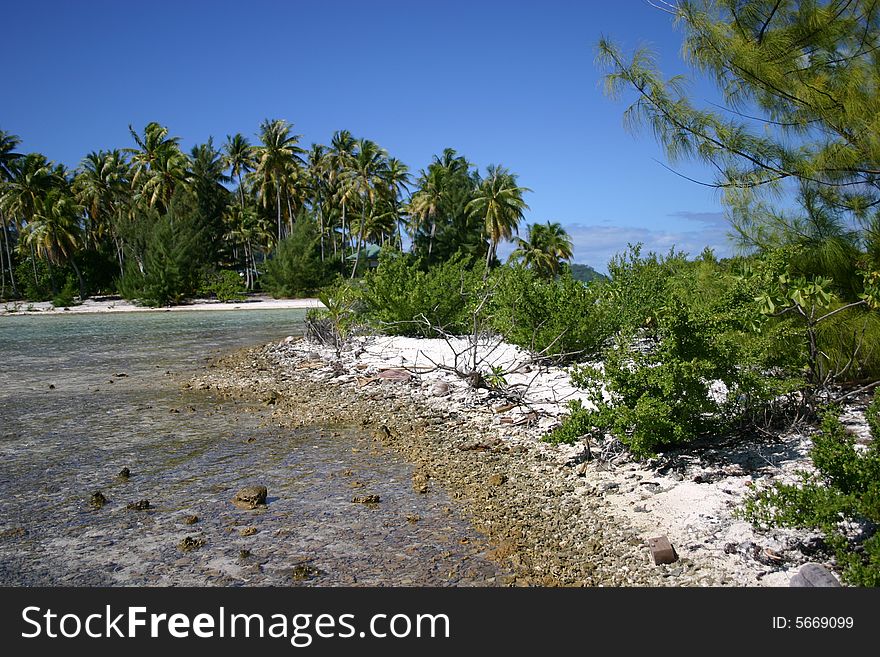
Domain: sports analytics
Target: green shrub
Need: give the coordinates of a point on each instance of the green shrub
(638, 286)
(66, 296)
(655, 388)
(402, 299)
(843, 492)
(169, 262)
(295, 269)
(224, 285)
(561, 317)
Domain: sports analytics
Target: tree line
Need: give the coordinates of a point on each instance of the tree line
(154, 222)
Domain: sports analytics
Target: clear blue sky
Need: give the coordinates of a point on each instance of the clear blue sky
(500, 82)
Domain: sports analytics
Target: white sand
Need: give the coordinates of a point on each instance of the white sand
(693, 507)
(255, 302)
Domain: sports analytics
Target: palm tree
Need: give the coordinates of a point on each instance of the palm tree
(339, 160)
(499, 204)
(32, 176)
(545, 248)
(54, 231)
(425, 203)
(240, 158)
(395, 183)
(8, 144)
(369, 168)
(278, 157)
(317, 165)
(101, 186)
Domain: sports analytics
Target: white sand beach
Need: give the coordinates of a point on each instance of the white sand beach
(117, 305)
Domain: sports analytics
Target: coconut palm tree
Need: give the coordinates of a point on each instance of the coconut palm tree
(546, 247)
(278, 158)
(102, 187)
(240, 158)
(31, 178)
(425, 203)
(339, 165)
(8, 144)
(54, 232)
(499, 204)
(158, 166)
(395, 183)
(369, 168)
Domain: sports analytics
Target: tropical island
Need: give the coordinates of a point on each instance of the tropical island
(683, 420)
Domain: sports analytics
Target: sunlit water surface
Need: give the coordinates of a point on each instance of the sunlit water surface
(83, 396)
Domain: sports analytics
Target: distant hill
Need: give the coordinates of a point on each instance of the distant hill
(585, 273)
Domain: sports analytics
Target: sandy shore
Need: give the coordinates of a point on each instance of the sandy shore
(554, 515)
(253, 302)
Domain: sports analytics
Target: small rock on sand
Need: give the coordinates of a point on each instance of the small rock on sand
(250, 497)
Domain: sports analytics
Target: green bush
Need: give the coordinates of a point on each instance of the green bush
(402, 299)
(295, 269)
(171, 271)
(224, 285)
(655, 388)
(39, 287)
(638, 286)
(66, 296)
(841, 495)
(561, 317)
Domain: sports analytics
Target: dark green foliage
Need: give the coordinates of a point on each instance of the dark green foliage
(296, 270)
(99, 270)
(841, 498)
(36, 287)
(560, 317)
(698, 366)
(402, 299)
(66, 296)
(174, 256)
(223, 285)
(637, 286)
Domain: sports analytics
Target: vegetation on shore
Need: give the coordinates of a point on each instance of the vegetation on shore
(690, 347)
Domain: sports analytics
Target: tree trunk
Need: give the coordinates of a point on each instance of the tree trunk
(34, 265)
(357, 257)
(79, 278)
(431, 237)
(52, 278)
(489, 254)
(278, 207)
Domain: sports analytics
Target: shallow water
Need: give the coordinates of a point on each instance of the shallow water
(82, 396)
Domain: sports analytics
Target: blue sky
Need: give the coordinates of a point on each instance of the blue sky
(500, 82)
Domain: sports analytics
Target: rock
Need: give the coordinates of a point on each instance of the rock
(394, 374)
(440, 389)
(420, 482)
(250, 497)
(248, 531)
(497, 479)
(97, 500)
(814, 574)
(51, 386)
(366, 499)
(120, 375)
(190, 520)
(191, 543)
(304, 571)
(662, 550)
(125, 473)
(140, 505)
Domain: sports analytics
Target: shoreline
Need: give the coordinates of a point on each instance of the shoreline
(118, 305)
(552, 516)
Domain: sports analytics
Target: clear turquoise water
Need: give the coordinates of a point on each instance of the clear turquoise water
(82, 396)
